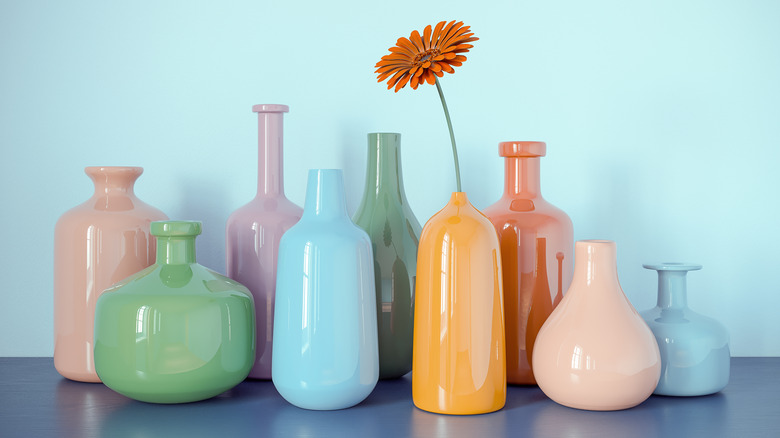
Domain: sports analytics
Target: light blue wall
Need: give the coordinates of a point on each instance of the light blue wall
(662, 121)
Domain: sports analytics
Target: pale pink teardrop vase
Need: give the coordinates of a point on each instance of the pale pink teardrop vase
(254, 230)
(595, 351)
(96, 244)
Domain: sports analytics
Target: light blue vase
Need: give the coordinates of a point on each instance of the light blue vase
(325, 349)
(695, 357)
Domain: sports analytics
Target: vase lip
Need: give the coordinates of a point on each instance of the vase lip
(175, 228)
(672, 266)
(596, 242)
(522, 149)
(380, 133)
(96, 170)
(270, 108)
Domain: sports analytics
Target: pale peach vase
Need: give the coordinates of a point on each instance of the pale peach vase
(96, 244)
(595, 351)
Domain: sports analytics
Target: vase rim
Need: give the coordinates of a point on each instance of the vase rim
(672, 266)
(384, 133)
(596, 241)
(175, 228)
(113, 169)
(270, 108)
(522, 149)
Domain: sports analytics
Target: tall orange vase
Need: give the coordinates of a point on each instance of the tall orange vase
(536, 253)
(459, 363)
(96, 244)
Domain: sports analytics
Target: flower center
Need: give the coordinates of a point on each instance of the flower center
(427, 55)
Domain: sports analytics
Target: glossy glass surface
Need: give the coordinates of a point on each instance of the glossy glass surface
(384, 214)
(253, 232)
(536, 253)
(594, 351)
(695, 355)
(459, 364)
(96, 244)
(175, 332)
(325, 352)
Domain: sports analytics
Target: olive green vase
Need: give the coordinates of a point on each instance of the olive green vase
(384, 214)
(176, 331)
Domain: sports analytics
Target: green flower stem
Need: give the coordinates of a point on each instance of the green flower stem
(452, 134)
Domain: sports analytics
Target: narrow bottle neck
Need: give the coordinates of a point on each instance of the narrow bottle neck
(522, 177)
(672, 289)
(113, 181)
(175, 250)
(384, 165)
(270, 175)
(325, 198)
(596, 264)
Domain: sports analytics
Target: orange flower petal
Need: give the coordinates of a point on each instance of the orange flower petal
(435, 67)
(437, 33)
(427, 37)
(395, 79)
(417, 41)
(402, 83)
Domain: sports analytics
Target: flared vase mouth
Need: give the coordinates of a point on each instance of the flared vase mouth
(672, 266)
(114, 170)
(270, 108)
(176, 228)
(522, 149)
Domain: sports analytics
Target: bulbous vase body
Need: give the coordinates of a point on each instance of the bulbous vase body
(595, 351)
(459, 363)
(384, 214)
(325, 351)
(536, 254)
(253, 232)
(96, 244)
(695, 355)
(176, 331)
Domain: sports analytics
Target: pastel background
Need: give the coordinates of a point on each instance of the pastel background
(662, 121)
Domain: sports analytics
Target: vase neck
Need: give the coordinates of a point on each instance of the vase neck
(384, 165)
(522, 177)
(325, 198)
(672, 289)
(113, 181)
(595, 264)
(175, 241)
(270, 166)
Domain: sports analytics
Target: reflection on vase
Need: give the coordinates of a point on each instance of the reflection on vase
(325, 331)
(96, 244)
(594, 351)
(695, 356)
(459, 365)
(384, 214)
(253, 232)
(176, 331)
(536, 253)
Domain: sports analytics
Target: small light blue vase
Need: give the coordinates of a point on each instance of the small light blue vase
(695, 357)
(325, 349)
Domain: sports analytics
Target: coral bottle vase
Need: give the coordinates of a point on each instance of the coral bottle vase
(536, 254)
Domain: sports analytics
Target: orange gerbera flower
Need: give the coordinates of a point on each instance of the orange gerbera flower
(419, 59)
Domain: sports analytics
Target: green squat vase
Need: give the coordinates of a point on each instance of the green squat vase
(385, 215)
(176, 331)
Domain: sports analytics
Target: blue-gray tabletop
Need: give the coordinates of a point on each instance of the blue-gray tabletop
(36, 402)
